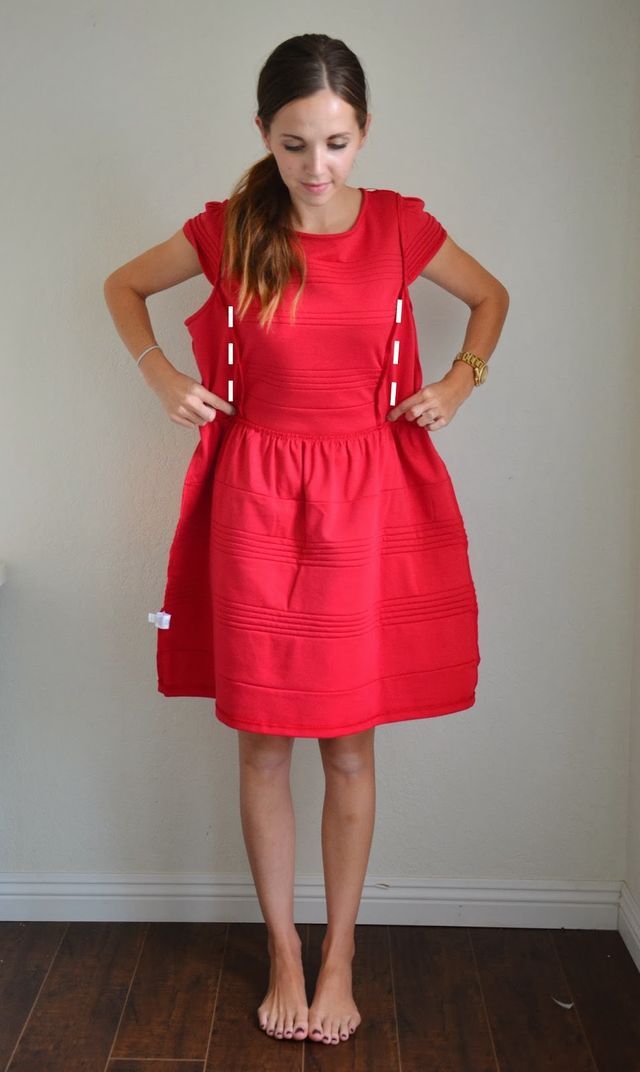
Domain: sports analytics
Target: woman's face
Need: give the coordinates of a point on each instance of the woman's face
(314, 140)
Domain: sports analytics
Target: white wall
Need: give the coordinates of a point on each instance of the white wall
(631, 887)
(515, 122)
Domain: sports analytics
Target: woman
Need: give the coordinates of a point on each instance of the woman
(318, 581)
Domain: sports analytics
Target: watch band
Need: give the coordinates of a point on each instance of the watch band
(480, 370)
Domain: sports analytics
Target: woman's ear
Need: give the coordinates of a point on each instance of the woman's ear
(258, 123)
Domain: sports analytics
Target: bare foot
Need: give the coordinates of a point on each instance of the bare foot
(284, 1012)
(333, 1014)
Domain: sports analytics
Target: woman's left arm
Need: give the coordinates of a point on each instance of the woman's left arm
(456, 271)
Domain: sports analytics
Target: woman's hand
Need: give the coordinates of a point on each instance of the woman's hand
(435, 405)
(186, 401)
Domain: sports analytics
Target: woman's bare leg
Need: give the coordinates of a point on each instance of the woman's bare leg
(268, 826)
(347, 833)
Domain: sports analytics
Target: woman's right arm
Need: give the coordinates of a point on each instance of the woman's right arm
(126, 290)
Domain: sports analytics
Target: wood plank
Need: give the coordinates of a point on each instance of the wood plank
(605, 984)
(441, 1018)
(76, 1014)
(27, 950)
(131, 1065)
(522, 983)
(169, 1010)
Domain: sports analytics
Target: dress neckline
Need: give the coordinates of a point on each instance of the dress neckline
(339, 234)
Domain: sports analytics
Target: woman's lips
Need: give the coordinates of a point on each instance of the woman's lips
(316, 189)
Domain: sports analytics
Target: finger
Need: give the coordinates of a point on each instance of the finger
(397, 413)
(215, 400)
(203, 412)
(192, 412)
(402, 407)
(210, 411)
(427, 420)
(208, 414)
(181, 420)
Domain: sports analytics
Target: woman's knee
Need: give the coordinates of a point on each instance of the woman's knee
(349, 754)
(264, 751)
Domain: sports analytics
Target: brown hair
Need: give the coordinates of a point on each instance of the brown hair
(260, 248)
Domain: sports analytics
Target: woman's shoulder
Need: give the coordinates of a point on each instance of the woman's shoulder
(204, 231)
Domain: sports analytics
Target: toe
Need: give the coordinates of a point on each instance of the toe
(288, 1027)
(300, 1028)
(335, 1032)
(344, 1031)
(315, 1031)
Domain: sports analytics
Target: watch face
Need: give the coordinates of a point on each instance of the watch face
(484, 374)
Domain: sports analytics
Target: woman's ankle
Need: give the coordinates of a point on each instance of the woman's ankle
(284, 941)
(338, 948)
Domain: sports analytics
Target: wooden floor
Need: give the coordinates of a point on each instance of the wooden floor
(182, 997)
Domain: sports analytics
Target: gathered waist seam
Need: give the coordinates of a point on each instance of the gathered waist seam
(311, 435)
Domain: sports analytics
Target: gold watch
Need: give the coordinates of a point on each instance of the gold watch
(480, 370)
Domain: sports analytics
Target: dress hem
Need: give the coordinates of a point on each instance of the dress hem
(410, 713)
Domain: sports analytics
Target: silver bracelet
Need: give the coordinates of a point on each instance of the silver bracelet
(156, 346)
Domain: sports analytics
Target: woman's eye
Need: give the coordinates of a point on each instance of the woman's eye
(298, 148)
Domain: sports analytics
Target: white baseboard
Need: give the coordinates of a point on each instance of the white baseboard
(402, 902)
(629, 923)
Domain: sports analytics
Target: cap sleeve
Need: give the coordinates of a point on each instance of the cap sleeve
(422, 235)
(205, 232)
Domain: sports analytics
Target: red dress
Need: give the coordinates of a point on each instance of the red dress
(318, 581)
